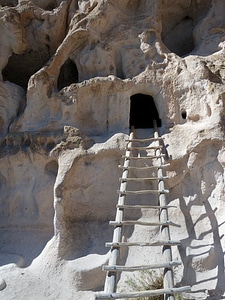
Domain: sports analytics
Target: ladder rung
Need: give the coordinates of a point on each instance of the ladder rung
(140, 179)
(144, 206)
(118, 268)
(144, 148)
(142, 244)
(144, 140)
(143, 168)
(142, 294)
(143, 192)
(143, 157)
(133, 222)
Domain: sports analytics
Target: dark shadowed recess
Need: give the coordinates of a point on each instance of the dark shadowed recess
(21, 67)
(68, 74)
(143, 111)
(179, 22)
(180, 39)
(10, 3)
(47, 5)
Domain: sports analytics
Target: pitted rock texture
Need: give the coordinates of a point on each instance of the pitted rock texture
(69, 71)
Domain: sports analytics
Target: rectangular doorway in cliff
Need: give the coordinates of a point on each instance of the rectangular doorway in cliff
(143, 111)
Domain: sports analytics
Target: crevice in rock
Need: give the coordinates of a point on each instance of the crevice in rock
(68, 74)
(143, 111)
(119, 66)
(2, 125)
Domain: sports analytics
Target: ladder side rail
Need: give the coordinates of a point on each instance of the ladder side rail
(111, 277)
(165, 232)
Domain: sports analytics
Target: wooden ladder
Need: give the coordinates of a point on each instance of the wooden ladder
(151, 161)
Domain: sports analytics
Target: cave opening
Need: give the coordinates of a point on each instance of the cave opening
(68, 74)
(180, 38)
(143, 111)
(21, 67)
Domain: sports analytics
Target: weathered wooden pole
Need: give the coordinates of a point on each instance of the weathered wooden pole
(110, 282)
(165, 232)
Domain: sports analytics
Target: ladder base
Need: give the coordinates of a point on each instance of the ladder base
(143, 294)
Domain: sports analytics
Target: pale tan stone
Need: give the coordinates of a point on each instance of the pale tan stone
(68, 70)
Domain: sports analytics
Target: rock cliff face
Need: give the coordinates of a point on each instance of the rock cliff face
(68, 73)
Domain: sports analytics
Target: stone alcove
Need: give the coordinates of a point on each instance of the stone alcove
(180, 39)
(179, 23)
(143, 111)
(68, 74)
(21, 67)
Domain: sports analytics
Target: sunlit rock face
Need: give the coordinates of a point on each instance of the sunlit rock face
(74, 77)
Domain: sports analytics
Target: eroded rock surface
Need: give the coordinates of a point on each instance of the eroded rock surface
(68, 73)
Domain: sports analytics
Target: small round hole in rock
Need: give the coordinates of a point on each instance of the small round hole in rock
(184, 114)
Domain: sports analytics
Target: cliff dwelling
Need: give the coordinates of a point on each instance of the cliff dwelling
(143, 111)
(76, 76)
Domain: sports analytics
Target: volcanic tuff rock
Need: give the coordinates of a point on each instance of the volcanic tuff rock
(68, 70)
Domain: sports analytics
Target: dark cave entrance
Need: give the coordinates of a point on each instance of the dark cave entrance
(143, 111)
(180, 38)
(68, 74)
(21, 67)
